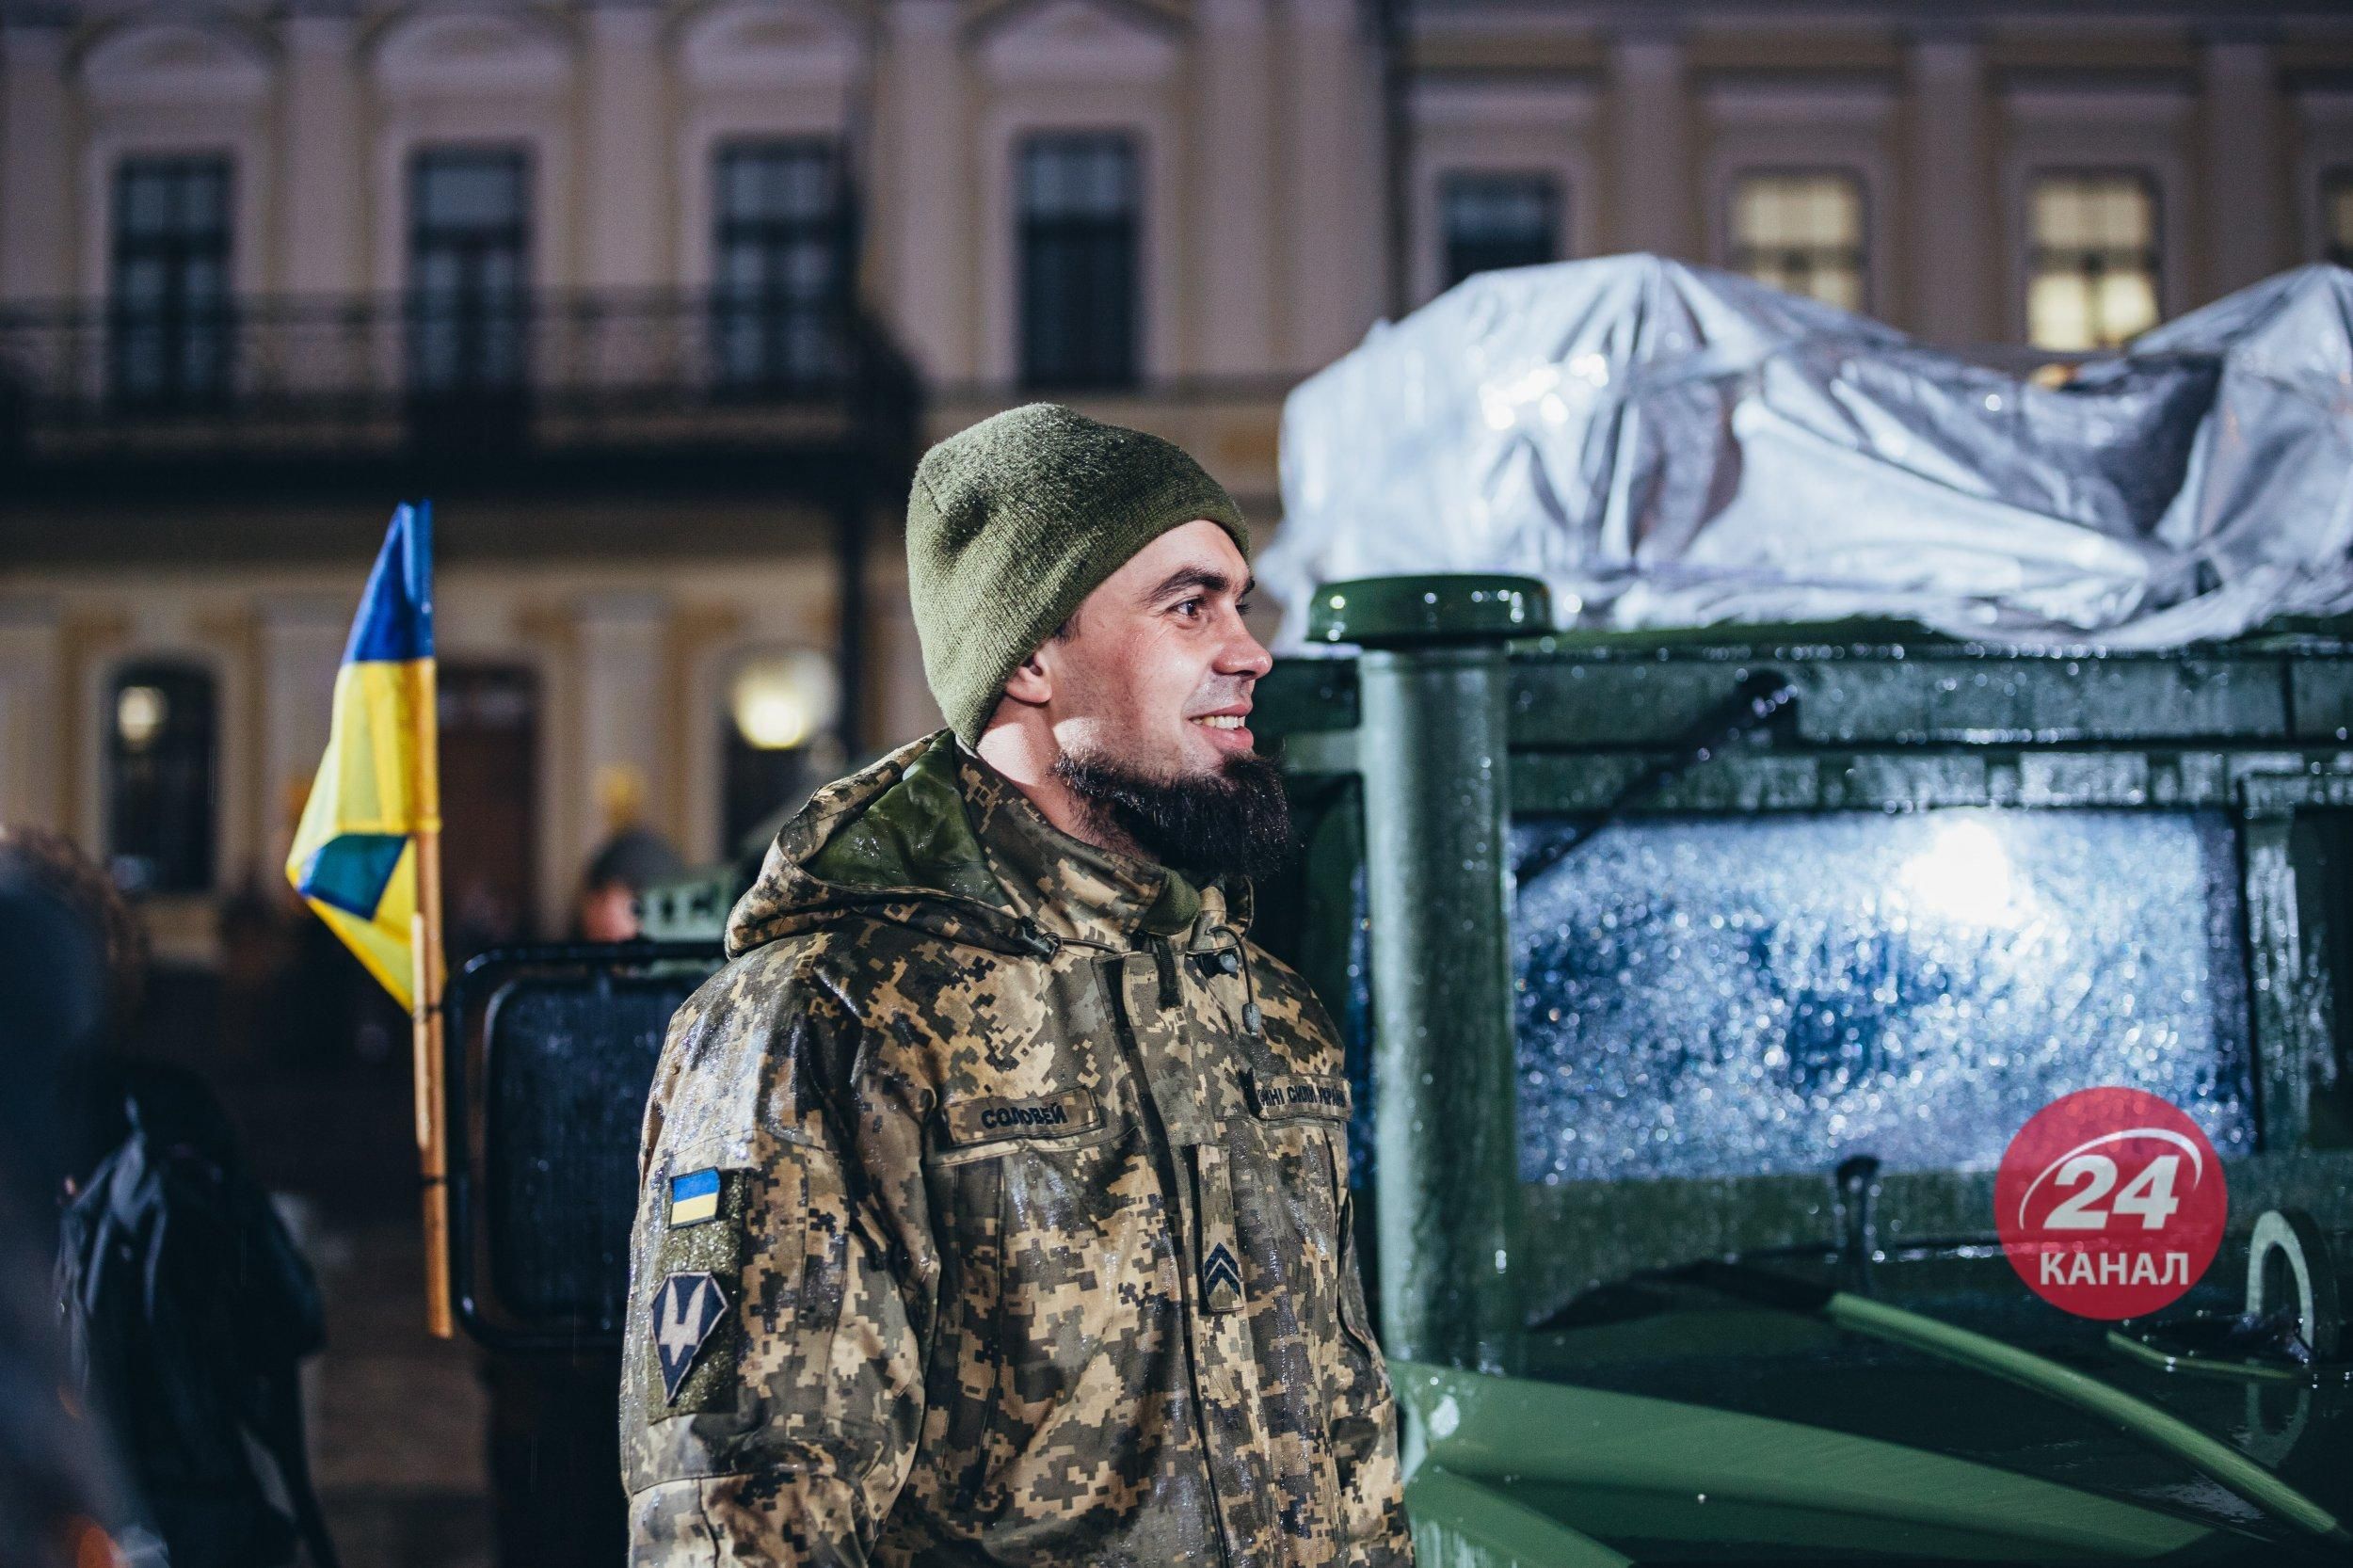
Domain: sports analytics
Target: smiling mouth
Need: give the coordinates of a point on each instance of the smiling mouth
(1221, 721)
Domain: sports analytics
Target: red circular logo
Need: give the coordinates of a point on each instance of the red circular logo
(2110, 1203)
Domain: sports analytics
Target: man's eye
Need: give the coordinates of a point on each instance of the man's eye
(1242, 607)
(1189, 607)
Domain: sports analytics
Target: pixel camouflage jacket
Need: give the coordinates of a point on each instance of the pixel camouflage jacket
(994, 1208)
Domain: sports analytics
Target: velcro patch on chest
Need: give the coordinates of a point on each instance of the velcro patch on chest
(1277, 1096)
(996, 1118)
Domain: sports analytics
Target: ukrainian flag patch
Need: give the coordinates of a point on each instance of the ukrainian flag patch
(694, 1198)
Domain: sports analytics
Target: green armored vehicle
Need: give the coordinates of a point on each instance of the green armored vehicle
(1706, 977)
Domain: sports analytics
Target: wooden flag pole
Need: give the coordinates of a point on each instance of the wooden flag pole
(426, 1017)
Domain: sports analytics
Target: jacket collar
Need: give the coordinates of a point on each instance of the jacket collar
(1078, 891)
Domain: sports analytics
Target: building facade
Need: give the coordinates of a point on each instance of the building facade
(340, 240)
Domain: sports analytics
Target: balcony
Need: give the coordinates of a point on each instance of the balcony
(660, 389)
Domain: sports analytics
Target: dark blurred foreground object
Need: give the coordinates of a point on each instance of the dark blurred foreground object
(71, 959)
(52, 1485)
(551, 1049)
(71, 962)
(188, 1310)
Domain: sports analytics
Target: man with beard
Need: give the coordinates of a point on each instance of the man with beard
(995, 1201)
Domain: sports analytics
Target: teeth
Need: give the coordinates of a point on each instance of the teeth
(1222, 721)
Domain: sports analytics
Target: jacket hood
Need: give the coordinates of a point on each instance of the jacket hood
(930, 837)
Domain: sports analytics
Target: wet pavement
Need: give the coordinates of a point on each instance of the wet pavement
(399, 1419)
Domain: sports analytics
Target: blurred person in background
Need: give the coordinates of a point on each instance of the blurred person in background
(619, 874)
(72, 968)
(186, 1306)
(59, 926)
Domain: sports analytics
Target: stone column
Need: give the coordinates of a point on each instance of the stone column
(1334, 214)
(322, 217)
(39, 217)
(930, 217)
(1653, 194)
(624, 196)
(1233, 221)
(1952, 228)
(2244, 205)
(620, 647)
(300, 645)
(31, 789)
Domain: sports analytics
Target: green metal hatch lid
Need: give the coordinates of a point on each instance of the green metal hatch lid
(1449, 607)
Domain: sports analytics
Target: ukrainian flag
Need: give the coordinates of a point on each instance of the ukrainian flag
(378, 786)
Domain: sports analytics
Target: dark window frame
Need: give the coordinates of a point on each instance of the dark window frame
(2037, 253)
(489, 347)
(1457, 253)
(1742, 258)
(163, 796)
(777, 335)
(192, 342)
(1098, 256)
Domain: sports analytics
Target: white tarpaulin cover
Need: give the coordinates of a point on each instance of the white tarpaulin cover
(1671, 445)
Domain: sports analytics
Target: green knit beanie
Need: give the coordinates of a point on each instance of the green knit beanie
(1013, 523)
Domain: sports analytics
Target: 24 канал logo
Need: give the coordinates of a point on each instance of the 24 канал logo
(2110, 1203)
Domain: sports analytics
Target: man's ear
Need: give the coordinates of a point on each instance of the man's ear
(1030, 682)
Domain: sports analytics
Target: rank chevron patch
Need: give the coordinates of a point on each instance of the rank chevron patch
(1221, 1280)
(686, 1310)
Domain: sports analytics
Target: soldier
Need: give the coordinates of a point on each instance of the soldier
(995, 1196)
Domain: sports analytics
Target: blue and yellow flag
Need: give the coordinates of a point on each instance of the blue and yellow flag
(378, 786)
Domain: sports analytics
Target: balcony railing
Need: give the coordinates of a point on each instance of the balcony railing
(548, 371)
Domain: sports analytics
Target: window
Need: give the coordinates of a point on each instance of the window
(779, 263)
(468, 248)
(2336, 218)
(1737, 996)
(2092, 268)
(489, 750)
(161, 753)
(169, 288)
(1079, 232)
(1801, 232)
(1491, 222)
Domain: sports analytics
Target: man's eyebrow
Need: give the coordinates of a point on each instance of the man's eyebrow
(1201, 579)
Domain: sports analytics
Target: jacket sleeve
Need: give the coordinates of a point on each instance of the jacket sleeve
(1365, 1436)
(780, 1285)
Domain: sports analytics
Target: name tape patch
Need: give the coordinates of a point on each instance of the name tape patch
(1277, 1096)
(985, 1121)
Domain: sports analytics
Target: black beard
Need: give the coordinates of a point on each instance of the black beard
(1233, 822)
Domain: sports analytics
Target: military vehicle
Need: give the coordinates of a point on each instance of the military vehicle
(1698, 980)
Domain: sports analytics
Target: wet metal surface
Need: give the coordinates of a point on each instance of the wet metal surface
(1761, 996)
(1437, 880)
(564, 1096)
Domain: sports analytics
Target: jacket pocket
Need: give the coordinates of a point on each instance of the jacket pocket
(967, 1363)
(1072, 1308)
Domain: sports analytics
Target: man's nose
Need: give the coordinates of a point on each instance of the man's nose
(1243, 654)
